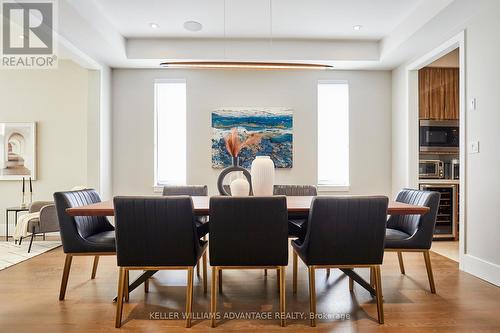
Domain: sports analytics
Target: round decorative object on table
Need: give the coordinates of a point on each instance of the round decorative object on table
(262, 173)
(235, 167)
(240, 188)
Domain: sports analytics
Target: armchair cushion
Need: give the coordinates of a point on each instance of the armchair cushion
(104, 240)
(393, 235)
(297, 227)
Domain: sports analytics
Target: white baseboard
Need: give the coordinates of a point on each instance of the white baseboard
(483, 269)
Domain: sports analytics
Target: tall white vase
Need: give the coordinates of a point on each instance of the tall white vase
(262, 172)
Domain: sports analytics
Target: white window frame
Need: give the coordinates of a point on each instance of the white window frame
(157, 187)
(331, 187)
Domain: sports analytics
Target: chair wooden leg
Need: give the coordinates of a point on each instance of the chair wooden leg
(119, 304)
(198, 269)
(327, 273)
(64, 281)
(213, 297)
(146, 286)
(189, 297)
(204, 260)
(401, 264)
(351, 284)
(278, 279)
(94, 267)
(126, 291)
(282, 296)
(220, 280)
(372, 277)
(312, 296)
(295, 264)
(378, 290)
(430, 275)
(265, 272)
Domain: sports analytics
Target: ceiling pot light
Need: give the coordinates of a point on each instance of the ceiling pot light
(192, 26)
(357, 27)
(154, 25)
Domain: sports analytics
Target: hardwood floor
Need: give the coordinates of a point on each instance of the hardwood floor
(29, 299)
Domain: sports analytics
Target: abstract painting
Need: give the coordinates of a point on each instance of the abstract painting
(273, 124)
(17, 151)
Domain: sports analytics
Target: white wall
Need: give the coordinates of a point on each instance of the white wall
(481, 255)
(370, 123)
(58, 100)
(482, 181)
(400, 163)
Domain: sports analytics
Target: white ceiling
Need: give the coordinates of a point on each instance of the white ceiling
(117, 33)
(317, 19)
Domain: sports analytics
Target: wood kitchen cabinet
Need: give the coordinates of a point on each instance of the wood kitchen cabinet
(438, 93)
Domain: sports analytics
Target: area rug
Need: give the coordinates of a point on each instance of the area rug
(11, 254)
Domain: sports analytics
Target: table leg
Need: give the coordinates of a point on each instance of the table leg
(353, 275)
(141, 279)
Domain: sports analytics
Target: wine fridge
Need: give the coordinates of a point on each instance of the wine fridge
(447, 216)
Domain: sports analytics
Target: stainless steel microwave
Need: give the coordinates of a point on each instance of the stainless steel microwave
(430, 169)
(439, 136)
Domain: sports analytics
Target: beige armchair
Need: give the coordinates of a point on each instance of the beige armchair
(47, 222)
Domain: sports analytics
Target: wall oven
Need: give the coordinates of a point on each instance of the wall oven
(439, 136)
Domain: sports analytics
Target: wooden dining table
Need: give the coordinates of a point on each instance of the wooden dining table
(295, 204)
(201, 206)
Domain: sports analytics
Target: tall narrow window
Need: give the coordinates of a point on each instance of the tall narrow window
(333, 133)
(170, 132)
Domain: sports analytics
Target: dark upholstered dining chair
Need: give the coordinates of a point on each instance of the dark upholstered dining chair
(248, 233)
(202, 224)
(414, 233)
(343, 232)
(191, 190)
(156, 233)
(297, 223)
(82, 235)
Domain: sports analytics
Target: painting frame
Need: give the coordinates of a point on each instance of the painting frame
(29, 152)
(273, 124)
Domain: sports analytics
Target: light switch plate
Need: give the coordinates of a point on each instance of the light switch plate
(474, 147)
(473, 104)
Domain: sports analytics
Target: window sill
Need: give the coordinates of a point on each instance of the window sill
(334, 188)
(157, 188)
(321, 188)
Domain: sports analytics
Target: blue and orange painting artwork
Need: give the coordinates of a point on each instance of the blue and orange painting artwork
(273, 124)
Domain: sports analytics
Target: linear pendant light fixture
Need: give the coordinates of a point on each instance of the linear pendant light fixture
(241, 65)
(250, 65)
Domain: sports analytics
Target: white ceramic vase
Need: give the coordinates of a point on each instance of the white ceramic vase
(239, 187)
(262, 172)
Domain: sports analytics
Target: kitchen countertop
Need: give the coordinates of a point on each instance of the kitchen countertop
(439, 181)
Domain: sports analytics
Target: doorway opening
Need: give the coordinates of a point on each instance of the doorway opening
(437, 139)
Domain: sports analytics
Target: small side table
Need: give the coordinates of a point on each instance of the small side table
(16, 210)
